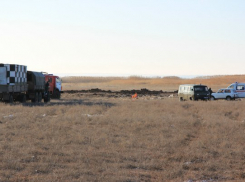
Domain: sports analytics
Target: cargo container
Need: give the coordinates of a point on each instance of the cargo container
(18, 84)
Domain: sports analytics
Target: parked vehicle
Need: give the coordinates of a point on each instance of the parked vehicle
(55, 85)
(224, 93)
(239, 87)
(18, 84)
(193, 92)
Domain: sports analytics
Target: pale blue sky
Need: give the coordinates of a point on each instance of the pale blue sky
(112, 37)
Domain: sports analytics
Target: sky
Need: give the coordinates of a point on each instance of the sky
(123, 38)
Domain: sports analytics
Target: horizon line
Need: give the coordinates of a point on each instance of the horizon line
(138, 75)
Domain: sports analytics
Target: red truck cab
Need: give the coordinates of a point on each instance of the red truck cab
(55, 85)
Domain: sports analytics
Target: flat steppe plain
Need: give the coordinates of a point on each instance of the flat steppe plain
(89, 137)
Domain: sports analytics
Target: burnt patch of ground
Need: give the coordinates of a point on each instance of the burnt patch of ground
(143, 91)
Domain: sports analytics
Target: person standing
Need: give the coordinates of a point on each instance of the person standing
(210, 92)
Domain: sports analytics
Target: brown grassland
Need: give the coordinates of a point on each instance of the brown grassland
(134, 82)
(85, 137)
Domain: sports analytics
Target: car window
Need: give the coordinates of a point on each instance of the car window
(221, 91)
(200, 88)
(227, 91)
(240, 87)
(58, 80)
(232, 86)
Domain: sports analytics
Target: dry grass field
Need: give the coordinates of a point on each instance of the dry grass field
(85, 137)
(129, 83)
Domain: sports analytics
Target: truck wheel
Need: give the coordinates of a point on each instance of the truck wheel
(181, 99)
(35, 100)
(11, 98)
(212, 98)
(40, 97)
(58, 94)
(228, 98)
(23, 98)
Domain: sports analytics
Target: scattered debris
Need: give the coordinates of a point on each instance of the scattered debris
(187, 163)
(9, 116)
(171, 96)
(90, 115)
(135, 96)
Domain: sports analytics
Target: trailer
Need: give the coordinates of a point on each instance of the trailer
(18, 84)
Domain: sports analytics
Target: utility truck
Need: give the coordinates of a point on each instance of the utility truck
(18, 84)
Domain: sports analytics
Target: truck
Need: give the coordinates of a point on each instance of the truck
(55, 85)
(18, 84)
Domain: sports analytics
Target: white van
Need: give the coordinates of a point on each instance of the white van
(239, 87)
